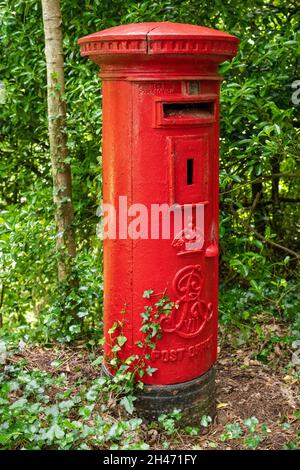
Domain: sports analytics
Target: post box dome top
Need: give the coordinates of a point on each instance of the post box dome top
(159, 38)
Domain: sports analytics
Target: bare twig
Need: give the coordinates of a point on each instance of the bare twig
(276, 245)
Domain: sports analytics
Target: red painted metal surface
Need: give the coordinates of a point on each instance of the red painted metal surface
(160, 108)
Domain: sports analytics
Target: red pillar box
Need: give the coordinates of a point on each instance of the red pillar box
(160, 194)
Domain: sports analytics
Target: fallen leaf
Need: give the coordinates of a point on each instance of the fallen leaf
(221, 405)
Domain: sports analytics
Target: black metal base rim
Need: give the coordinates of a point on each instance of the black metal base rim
(194, 398)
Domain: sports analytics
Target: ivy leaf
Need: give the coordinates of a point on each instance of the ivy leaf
(113, 328)
(127, 402)
(18, 403)
(82, 313)
(205, 421)
(150, 370)
(121, 340)
(54, 431)
(251, 423)
(147, 293)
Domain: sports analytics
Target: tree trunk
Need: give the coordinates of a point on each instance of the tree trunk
(61, 171)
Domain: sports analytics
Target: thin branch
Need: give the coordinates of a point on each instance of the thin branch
(269, 242)
(276, 245)
(261, 179)
(287, 200)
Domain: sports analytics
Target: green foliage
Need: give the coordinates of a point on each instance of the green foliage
(259, 138)
(195, 430)
(232, 431)
(170, 421)
(205, 421)
(32, 296)
(259, 213)
(253, 433)
(32, 417)
(150, 330)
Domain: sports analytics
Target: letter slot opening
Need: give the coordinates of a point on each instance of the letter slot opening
(202, 109)
(189, 171)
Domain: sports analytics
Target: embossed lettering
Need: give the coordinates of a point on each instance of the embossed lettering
(189, 320)
(168, 355)
(173, 355)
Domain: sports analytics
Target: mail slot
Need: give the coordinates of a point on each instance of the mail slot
(182, 111)
(188, 110)
(160, 86)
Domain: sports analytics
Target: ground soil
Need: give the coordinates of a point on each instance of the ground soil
(246, 388)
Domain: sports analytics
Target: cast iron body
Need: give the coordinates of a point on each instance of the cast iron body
(161, 109)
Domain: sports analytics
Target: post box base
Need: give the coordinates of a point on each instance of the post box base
(194, 398)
